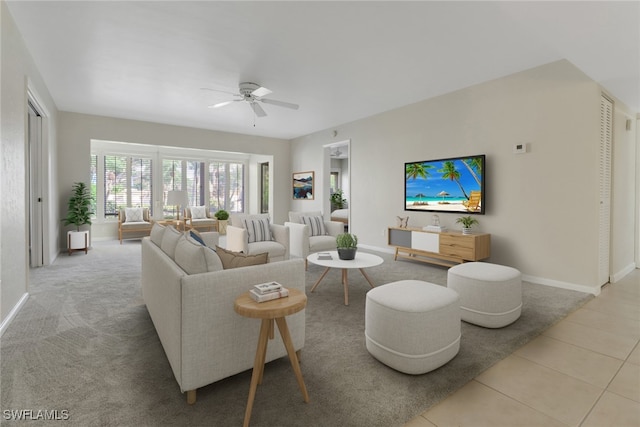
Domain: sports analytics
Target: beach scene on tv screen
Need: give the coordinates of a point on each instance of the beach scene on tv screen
(448, 185)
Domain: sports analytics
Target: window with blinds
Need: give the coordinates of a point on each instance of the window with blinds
(128, 182)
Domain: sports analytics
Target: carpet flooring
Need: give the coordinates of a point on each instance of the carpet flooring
(84, 344)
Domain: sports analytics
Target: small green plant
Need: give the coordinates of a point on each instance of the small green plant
(466, 221)
(79, 206)
(347, 240)
(222, 215)
(337, 200)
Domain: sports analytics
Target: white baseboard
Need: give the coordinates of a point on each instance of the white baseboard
(616, 277)
(13, 313)
(561, 285)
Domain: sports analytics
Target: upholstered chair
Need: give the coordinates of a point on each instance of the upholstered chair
(199, 218)
(311, 233)
(135, 221)
(254, 234)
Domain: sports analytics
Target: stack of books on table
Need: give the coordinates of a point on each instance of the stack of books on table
(268, 291)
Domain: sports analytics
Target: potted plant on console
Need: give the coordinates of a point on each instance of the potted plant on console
(78, 214)
(467, 222)
(223, 219)
(347, 244)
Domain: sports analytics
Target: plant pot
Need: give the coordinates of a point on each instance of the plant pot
(78, 241)
(466, 230)
(222, 226)
(347, 254)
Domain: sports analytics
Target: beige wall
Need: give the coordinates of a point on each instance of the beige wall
(542, 206)
(18, 72)
(77, 130)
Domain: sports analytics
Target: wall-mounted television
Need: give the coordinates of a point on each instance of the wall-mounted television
(446, 185)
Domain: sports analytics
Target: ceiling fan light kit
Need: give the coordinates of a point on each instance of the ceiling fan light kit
(253, 93)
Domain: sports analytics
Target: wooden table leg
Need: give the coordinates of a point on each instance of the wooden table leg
(286, 338)
(366, 277)
(320, 279)
(258, 367)
(345, 284)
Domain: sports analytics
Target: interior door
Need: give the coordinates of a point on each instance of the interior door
(36, 228)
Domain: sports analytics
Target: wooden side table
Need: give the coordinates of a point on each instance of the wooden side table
(269, 311)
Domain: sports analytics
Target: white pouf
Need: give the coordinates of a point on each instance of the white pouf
(412, 326)
(490, 294)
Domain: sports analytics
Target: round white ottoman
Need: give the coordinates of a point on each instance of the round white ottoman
(490, 294)
(412, 326)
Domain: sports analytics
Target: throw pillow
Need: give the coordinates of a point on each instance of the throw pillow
(232, 259)
(316, 224)
(196, 236)
(157, 232)
(258, 230)
(214, 263)
(198, 212)
(133, 215)
(170, 240)
(190, 256)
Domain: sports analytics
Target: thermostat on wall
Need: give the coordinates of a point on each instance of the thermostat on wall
(520, 148)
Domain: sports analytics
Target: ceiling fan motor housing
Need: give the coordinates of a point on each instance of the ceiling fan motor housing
(247, 88)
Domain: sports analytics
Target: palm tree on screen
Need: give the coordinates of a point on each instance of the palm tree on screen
(450, 172)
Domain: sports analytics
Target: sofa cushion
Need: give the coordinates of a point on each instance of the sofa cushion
(214, 263)
(170, 240)
(258, 230)
(316, 224)
(189, 255)
(133, 215)
(157, 232)
(232, 259)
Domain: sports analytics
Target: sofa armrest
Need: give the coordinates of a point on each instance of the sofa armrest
(298, 239)
(218, 342)
(334, 227)
(211, 238)
(237, 239)
(280, 234)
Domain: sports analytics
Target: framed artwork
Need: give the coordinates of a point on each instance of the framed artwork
(303, 185)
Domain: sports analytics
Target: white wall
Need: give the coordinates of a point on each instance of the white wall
(18, 71)
(77, 130)
(542, 206)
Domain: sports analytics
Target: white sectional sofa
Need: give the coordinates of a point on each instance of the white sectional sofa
(204, 339)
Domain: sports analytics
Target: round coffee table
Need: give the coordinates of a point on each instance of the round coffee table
(362, 260)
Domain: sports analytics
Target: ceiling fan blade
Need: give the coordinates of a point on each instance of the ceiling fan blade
(281, 103)
(257, 109)
(222, 91)
(260, 92)
(222, 104)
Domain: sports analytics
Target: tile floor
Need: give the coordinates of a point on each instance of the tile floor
(583, 371)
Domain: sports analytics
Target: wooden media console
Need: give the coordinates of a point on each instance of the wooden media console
(442, 248)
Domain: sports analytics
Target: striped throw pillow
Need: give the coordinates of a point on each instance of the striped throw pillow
(316, 224)
(258, 230)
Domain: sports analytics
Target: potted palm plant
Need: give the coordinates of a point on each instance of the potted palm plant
(223, 219)
(347, 244)
(467, 222)
(78, 214)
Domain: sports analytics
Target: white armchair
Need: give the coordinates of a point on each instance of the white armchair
(254, 234)
(304, 241)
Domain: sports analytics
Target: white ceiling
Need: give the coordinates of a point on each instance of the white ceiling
(341, 61)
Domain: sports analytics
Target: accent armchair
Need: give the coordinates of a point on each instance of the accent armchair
(199, 218)
(254, 234)
(134, 221)
(310, 233)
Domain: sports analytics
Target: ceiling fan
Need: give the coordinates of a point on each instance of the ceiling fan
(253, 94)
